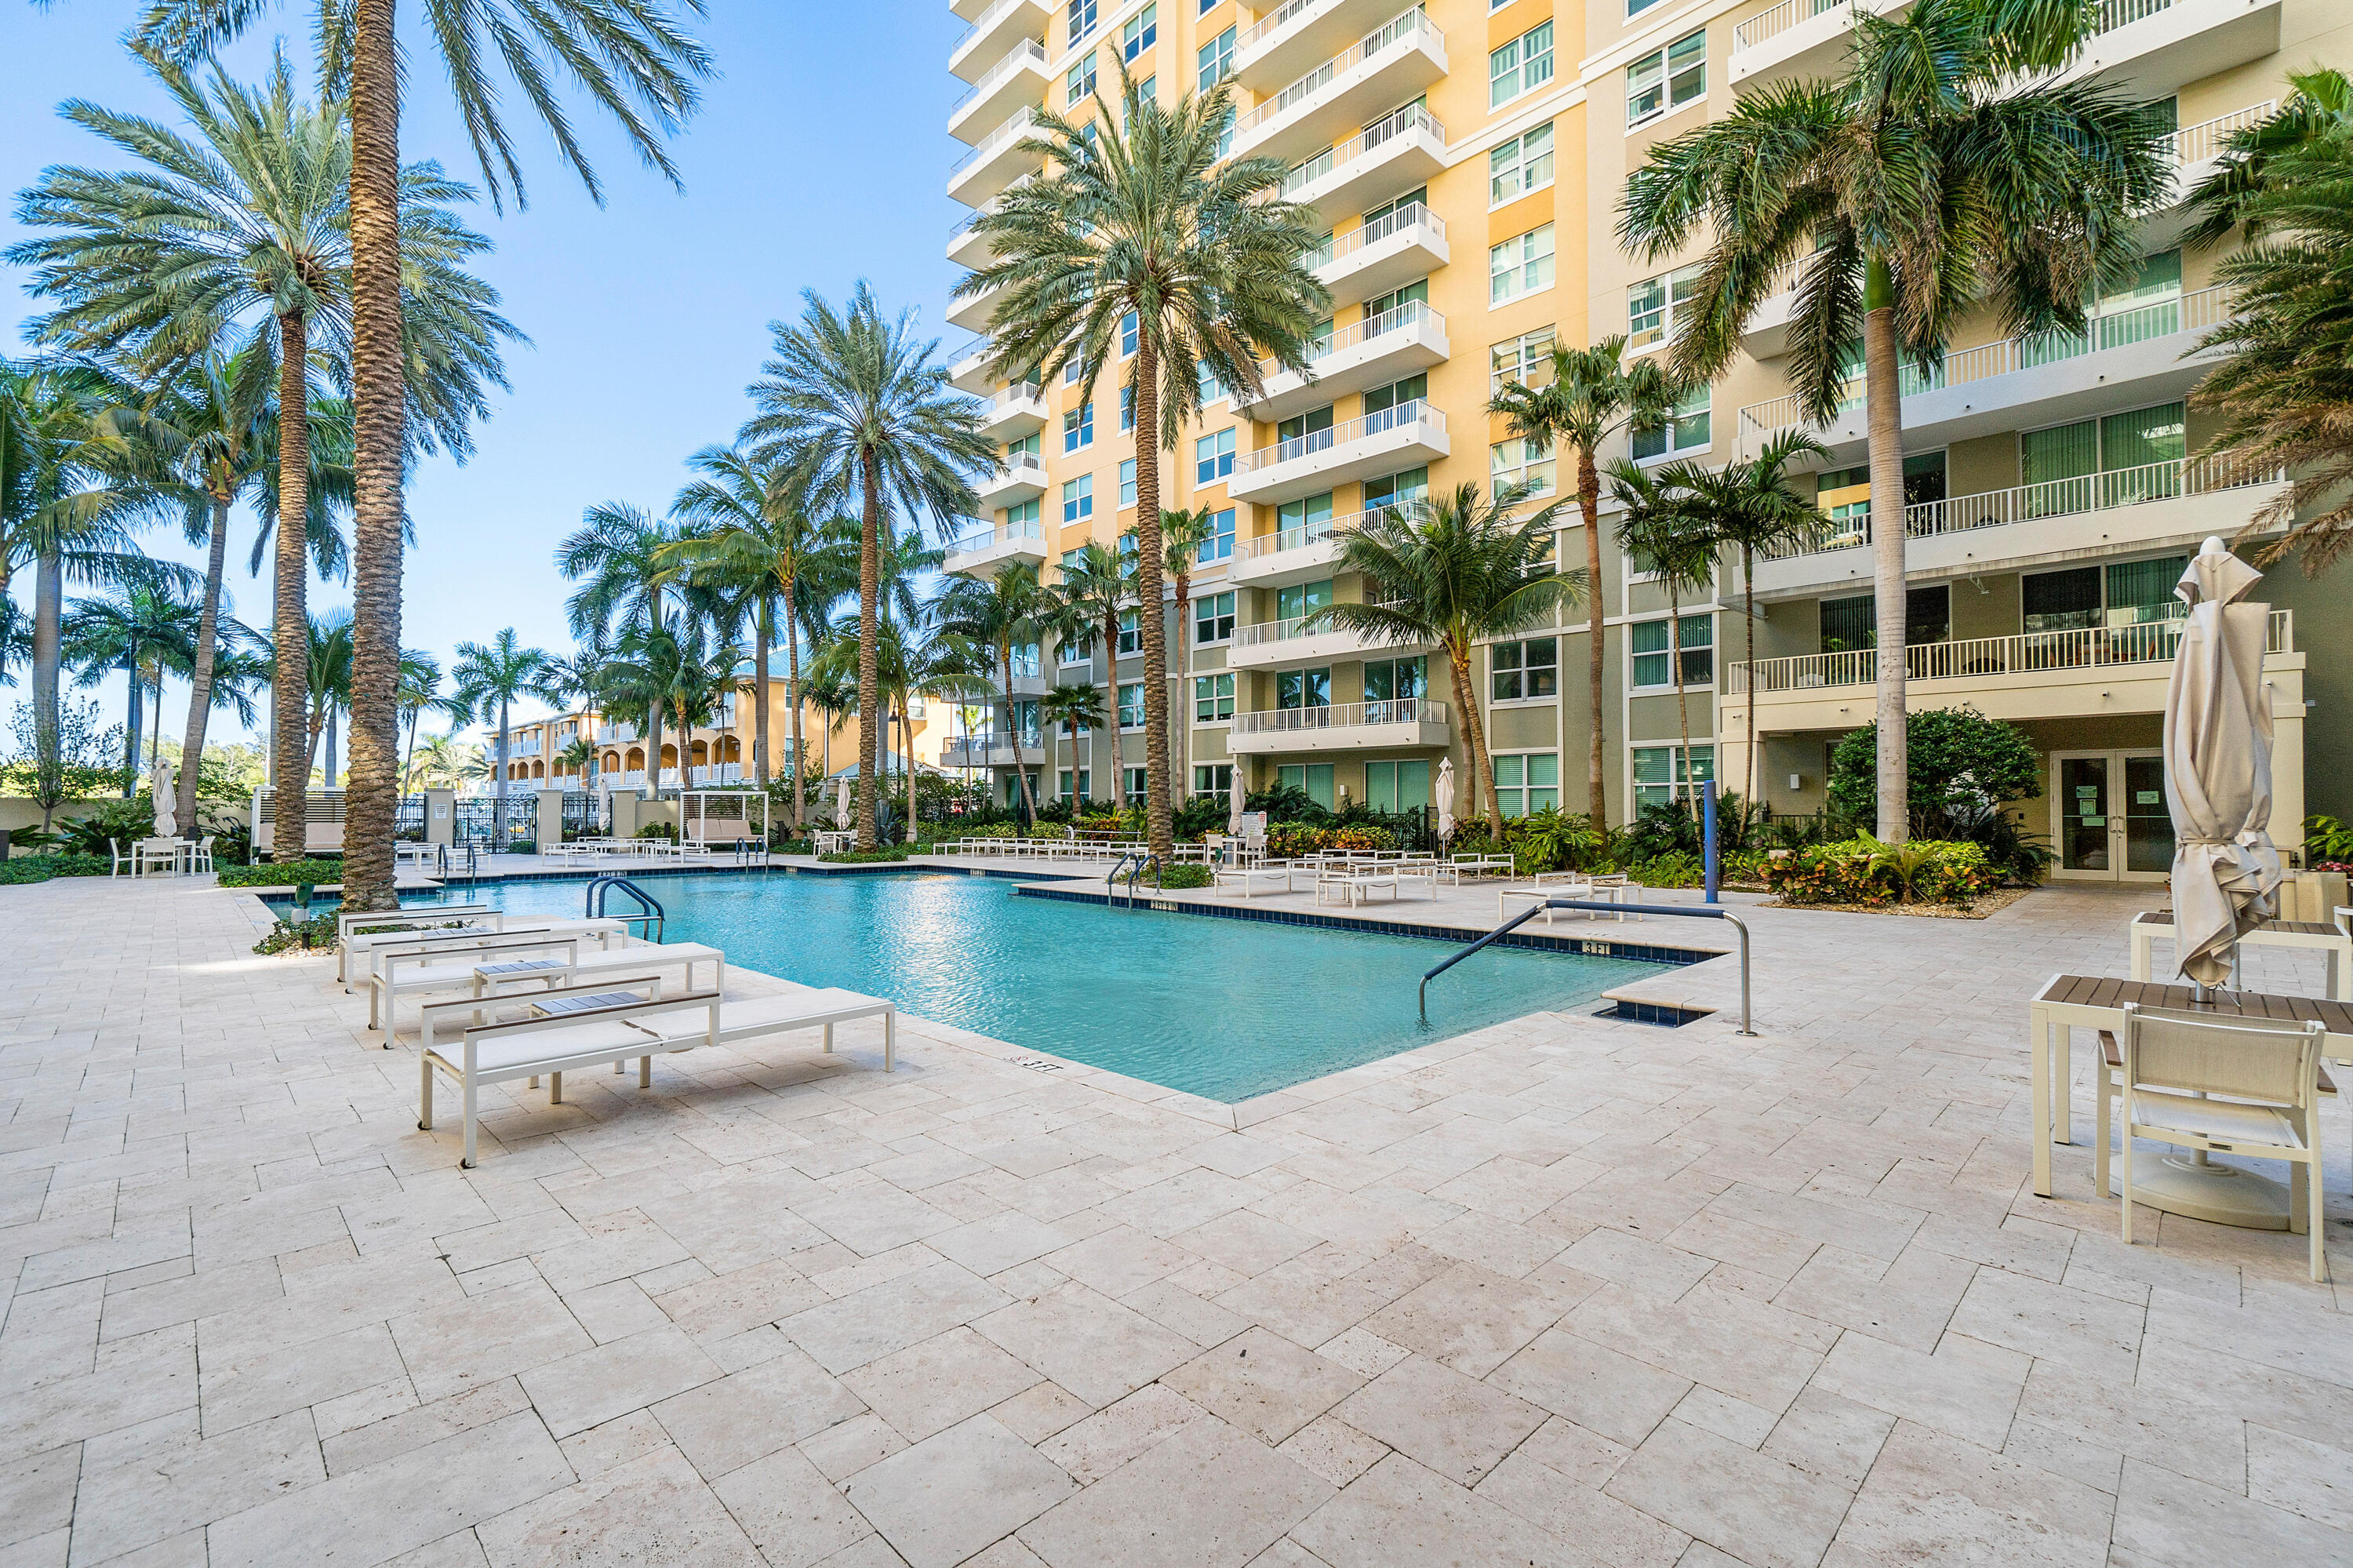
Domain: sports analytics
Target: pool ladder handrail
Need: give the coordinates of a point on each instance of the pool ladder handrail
(1134, 875)
(594, 904)
(1748, 1030)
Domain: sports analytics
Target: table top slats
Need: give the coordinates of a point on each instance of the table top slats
(2092, 990)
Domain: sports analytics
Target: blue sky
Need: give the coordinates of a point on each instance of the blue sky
(820, 156)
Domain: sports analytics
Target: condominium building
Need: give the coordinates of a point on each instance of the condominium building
(1466, 159)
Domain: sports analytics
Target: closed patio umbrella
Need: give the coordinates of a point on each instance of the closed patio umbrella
(2218, 766)
(841, 813)
(1445, 794)
(1234, 815)
(167, 822)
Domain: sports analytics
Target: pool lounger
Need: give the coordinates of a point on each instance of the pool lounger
(497, 1052)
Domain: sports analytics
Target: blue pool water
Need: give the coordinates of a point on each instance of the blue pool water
(1221, 1008)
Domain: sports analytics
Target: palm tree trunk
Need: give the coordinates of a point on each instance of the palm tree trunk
(1884, 403)
(136, 683)
(760, 628)
(200, 682)
(869, 682)
(793, 696)
(1748, 606)
(1588, 500)
(1179, 781)
(907, 729)
(1159, 825)
(318, 726)
(1474, 739)
(380, 413)
(48, 607)
(1682, 700)
(289, 684)
(330, 779)
(1013, 732)
(499, 786)
(156, 726)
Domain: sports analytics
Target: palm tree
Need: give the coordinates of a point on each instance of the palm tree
(142, 629)
(1140, 217)
(1182, 535)
(909, 664)
(1073, 708)
(1950, 159)
(327, 683)
(672, 671)
(1454, 570)
(420, 692)
(579, 755)
(2318, 108)
(1097, 585)
(627, 569)
(1004, 612)
(1750, 505)
(485, 682)
(245, 216)
(443, 762)
(864, 411)
(1589, 396)
(1668, 538)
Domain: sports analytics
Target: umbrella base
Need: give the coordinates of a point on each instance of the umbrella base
(2219, 1194)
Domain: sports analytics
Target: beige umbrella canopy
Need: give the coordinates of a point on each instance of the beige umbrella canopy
(1234, 815)
(167, 792)
(2218, 766)
(842, 810)
(1445, 790)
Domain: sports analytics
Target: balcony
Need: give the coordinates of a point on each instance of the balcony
(1386, 253)
(981, 552)
(995, 31)
(616, 734)
(2036, 675)
(971, 311)
(1295, 34)
(1799, 38)
(2176, 503)
(1302, 554)
(1394, 62)
(1350, 726)
(1017, 81)
(1023, 478)
(526, 746)
(1015, 411)
(968, 366)
(1305, 639)
(990, 751)
(1372, 351)
(2140, 355)
(967, 249)
(716, 773)
(1404, 436)
(997, 161)
(1387, 159)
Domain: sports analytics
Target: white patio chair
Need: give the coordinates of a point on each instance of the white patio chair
(121, 861)
(200, 857)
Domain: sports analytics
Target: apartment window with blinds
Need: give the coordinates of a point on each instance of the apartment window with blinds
(1131, 633)
(1665, 773)
(1686, 429)
(1520, 66)
(1127, 481)
(1657, 308)
(1212, 389)
(1213, 458)
(2114, 460)
(1395, 489)
(1654, 661)
(1525, 671)
(1520, 266)
(1085, 779)
(1078, 427)
(1213, 778)
(1213, 619)
(1213, 698)
(1143, 31)
(1852, 624)
(1396, 680)
(1083, 19)
(1522, 460)
(1527, 359)
(1220, 543)
(1079, 499)
(1527, 781)
(1665, 79)
(1081, 83)
(1216, 60)
(1131, 705)
(1026, 513)
(1520, 165)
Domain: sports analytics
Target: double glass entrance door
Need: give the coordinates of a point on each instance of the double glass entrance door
(2108, 817)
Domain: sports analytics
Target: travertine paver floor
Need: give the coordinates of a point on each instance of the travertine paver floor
(1566, 1291)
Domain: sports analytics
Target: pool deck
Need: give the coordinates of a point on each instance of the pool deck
(1568, 1290)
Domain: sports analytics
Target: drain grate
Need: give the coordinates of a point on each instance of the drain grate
(1038, 1063)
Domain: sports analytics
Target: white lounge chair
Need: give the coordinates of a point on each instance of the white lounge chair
(638, 961)
(460, 923)
(405, 970)
(1246, 877)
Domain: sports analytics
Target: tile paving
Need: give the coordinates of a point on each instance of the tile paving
(1568, 1290)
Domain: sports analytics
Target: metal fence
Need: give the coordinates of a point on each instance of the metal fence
(586, 813)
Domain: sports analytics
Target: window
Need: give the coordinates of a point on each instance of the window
(1025, 722)
(1389, 211)
(1127, 334)
(1211, 387)
(1083, 19)
(1397, 786)
(1304, 521)
(1695, 640)
(1078, 427)
(1398, 300)
(1216, 60)
(1663, 773)
(1126, 409)
(1395, 681)
(1686, 429)
(1027, 446)
(1527, 781)
(1395, 489)
(1520, 165)
(1636, 8)
(2110, 462)
(1079, 499)
(1523, 671)
(1213, 778)
(1131, 634)
(1315, 778)
(1524, 63)
(1133, 780)
(1085, 778)
(1527, 359)
(1080, 84)
(1023, 517)
(1074, 369)
(1301, 599)
(1213, 619)
(1303, 689)
(1213, 698)
(1143, 31)
(2123, 593)
(1024, 659)
(1520, 266)
(1522, 460)
(1213, 458)
(1657, 308)
(1219, 544)
(1849, 624)
(1665, 79)
(1131, 702)
(1397, 398)
(1148, 91)
(1075, 649)
(1127, 481)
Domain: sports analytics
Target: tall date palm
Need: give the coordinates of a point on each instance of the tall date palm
(486, 682)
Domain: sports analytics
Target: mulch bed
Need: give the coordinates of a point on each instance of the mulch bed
(1991, 904)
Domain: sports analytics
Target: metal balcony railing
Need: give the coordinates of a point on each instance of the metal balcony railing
(982, 538)
(1344, 716)
(1027, 52)
(1778, 19)
(1411, 313)
(1283, 16)
(1017, 125)
(1300, 536)
(1373, 137)
(2090, 648)
(2195, 143)
(1404, 30)
(988, 18)
(1413, 214)
(1405, 415)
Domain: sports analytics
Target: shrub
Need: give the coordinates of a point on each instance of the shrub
(1672, 869)
(1289, 841)
(300, 936)
(20, 869)
(1962, 766)
(285, 874)
(1362, 838)
(866, 857)
(1185, 877)
(1863, 869)
(667, 830)
(1551, 839)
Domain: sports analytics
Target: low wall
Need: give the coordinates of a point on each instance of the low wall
(16, 812)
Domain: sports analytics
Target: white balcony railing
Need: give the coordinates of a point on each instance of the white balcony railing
(1004, 534)
(988, 751)
(1415, 411)
(1779, 19)
(1405, 122)
(1411, 313)
(2196, 143)
(1301, 536)
(1344, 716)
(1021, 468)
(616, 734)
(1017, 125)
(1267, 26)
(1410, 27)
(2107, 330)
(1413, 214)
(988, 18)
(1029, 52)
(2035, 652)
(2039, 502)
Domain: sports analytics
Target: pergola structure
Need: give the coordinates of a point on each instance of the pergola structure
(696, 820)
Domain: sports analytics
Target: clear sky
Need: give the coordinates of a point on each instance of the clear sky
(820, 156)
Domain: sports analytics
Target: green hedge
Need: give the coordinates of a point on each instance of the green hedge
(1863, 870)
(865, 857)
(287, 874)
(1185, 877)
(19, 869)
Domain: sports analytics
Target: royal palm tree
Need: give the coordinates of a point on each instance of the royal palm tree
(863, 409)
(327, 686)
(1750, 505)
(1951, 162)
(1455, 569)
(146, 631)
(420, 693)
(1074, 708)
(1141, 217)
(1099, 584)
(444, 762)
(673, 672)
(1182, 537)
(1662, 530)
(485, 682)
(579, 755)
(910, 661)
(1586, 396)
(1004, 612)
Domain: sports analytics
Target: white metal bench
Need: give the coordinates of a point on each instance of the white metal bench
(463, 929)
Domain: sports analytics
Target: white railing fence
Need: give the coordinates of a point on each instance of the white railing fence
(1406, 30)
(2150, 643)
(1412, 412)
(1341, 715)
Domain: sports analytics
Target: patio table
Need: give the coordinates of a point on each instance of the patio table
(2308, 934)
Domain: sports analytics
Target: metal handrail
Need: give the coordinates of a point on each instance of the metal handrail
(1110, 887)
(592, 906)
(1517, 921)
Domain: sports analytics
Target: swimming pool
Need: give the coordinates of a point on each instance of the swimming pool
(1225, 1009)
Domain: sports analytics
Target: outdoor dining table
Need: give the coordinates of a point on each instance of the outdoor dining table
(2068, 1003)
(2313, 936)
